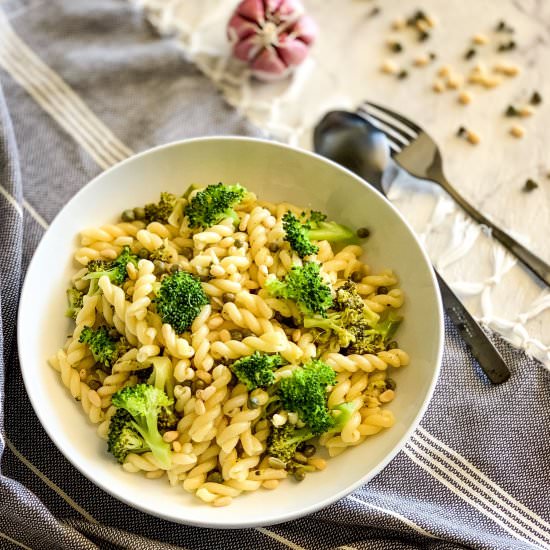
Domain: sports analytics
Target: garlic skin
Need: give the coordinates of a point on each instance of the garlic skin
(271, 36)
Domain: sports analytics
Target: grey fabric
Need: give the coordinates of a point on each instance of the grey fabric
(146, 94)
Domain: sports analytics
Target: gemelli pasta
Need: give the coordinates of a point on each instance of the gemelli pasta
(227, 343)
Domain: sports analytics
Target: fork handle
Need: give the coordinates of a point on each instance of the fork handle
(540, 268)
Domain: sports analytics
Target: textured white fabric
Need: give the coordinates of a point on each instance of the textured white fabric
(343, 70)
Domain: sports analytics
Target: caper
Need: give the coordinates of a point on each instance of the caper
(236, 335)
(160, 267)
(309, 450)
(198, 384)
(113, 333)
(390, 384)
(139, 213)
(299, 475)
(94, 384)
(174, 268)
(128, 216)
(273, 247)
(276, 463)
(356, 276)
(382, 290)
(228, 297)
(393, 345)
(253, 402)
(301, 447)
(143, 253)
(238, 243)
(300, 458)
(363, 232)
(214, 477)
(187, 253)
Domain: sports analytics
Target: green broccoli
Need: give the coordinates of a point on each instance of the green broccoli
(318, 229)
(299, 234)
(162, 254)
(283, 441)
(214, 203)
(304, 392)
(105, 348)
(161, 376)
(123, 437)
(304, 285)
(75, 301)
(160, 211)
(352, 326)
(296, 234)
(145, 403)
(179, 299)
(115, 270)
(256, 370)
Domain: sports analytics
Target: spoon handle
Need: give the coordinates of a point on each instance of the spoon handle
(476, 339)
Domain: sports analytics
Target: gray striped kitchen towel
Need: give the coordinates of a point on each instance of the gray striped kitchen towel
(85, 84)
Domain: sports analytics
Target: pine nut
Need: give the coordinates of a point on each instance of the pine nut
(398, 24)
(270, 484)
(507, 69)
(491, 82)
(517, 131)
(390, 67)
(318, 463)
(454, 82)
(444, 71)
(438, 86)
(421, 60)
(480, 39)
(465, 97)
(176, 446)
(525, 111)
(170, 436)
(472, 137)
(387, 396)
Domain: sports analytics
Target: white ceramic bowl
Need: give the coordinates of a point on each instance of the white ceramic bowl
(275, 172)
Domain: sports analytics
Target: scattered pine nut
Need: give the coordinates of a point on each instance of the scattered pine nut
(430, 21)
(455, 81)
(491, 82)
(270, 484)
(390, 67)
(170, 436)
(525, 111)
(480, 39)
(395, 46)
(465, 97)
(517, 131)
(421, 60)
(438, 86)
(398, 24)
(507, 69)
(472, 137)
(444, 71)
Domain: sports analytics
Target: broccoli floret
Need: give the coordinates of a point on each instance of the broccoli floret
(123, 437)
(213, 204)
(352, 326)
(163, 254)
(256, 370)
(115, 270)
(179, 299)
(304, 392)
(75, 302)
(297, 236)
(105, 349)
(160, 211)
(161, 376)
(145, 403)
(304, 285)
(283, 441)
(321, 230)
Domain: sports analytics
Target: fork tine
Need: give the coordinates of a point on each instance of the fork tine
(405, 135)
(396, 116)
(394, 134)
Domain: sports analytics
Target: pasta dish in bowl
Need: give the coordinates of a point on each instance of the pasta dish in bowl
(229, 343)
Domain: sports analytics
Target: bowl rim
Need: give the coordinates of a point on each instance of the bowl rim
(280, 517)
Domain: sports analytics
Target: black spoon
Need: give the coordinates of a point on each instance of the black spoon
(354, 142)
